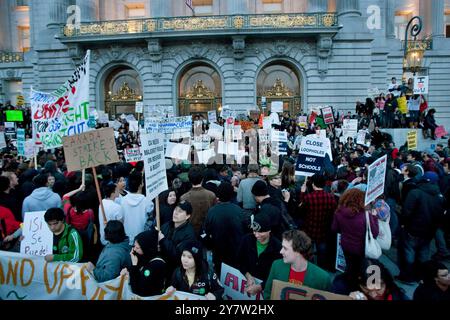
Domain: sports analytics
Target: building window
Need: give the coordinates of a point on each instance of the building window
(24, 38)
(22, 3)
(202, 6)
(135, 10)
(272, 5)
(401, 22)
(447, 23)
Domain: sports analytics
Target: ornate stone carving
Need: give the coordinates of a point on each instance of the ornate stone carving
(115, 51)
(75, 51)
(238, 47)
(125, 93)
(154, 49)
(324, 46)
(199, 91)
(278, 89)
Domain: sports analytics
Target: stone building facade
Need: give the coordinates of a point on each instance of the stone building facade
(306, 53)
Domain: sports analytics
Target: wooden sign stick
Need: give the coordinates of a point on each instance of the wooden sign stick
(99, 196)
(158, 221)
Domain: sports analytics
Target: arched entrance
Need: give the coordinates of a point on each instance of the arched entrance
(122, 89)
(200, 90)
(278, 81)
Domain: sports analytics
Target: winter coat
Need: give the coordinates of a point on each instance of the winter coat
(113, 258)
(148, 279)
(41, 199)
(352, 228)
(11, 224)
(201, 200)
(392, 185)
(271, 207)
(69, 247)
(10, 201)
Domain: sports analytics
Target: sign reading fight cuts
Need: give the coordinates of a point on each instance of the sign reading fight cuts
(90, 149)
(311, 156)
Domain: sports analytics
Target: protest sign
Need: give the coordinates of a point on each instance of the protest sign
(361, 138)
(64, 112)
(31, 278)
(133, 155)
(2, 140)
(133, 126)
(204, 155)
(288, 291)
(302, 122)
(279, 136)
(421, 85)
(21, 142)
(139, 107)
(276, 106)
(237, 132)
(178, 127)
(14, 115)
(201, 142)
(10, 128)
(350, 125)
(234, 283)
(179, 151)
(327, 114)
(267, 123)
(340, 258)
(152, 147)
(230, 148)
(226, 112)
(130, 118)
(103, 117)
(90, 149)
(37, 237)
(215, 131)
(212, 116)
(161, 111)
(311, 156)
(375, 180)
(412, 140)
(29, 148)
(279, 148)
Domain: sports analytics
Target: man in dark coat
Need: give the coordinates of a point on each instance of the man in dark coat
(223, 228)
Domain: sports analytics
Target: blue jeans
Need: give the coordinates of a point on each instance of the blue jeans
(412, 252)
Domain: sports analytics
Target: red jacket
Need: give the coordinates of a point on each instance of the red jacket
(10, 222)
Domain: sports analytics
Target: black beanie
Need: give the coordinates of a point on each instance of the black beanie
(225, 192)
(261, 223)
(148, 241)
(196, 249)
(260, 189)
(186, 206)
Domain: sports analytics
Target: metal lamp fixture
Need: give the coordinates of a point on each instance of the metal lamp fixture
(414, 50)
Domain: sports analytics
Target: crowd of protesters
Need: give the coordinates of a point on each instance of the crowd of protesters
(257, 217)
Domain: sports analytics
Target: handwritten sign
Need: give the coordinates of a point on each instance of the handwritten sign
(288, 291)
(327, 114)
(21, 142)
(212, 116)
(139, 107)
(234, 283)
(179, 151)
(421, 85)
(90, 149)
(412, 140)
(375, 180)
(37, 237)
(133, 155)
(152, 146)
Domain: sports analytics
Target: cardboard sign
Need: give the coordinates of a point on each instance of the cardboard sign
(139, 107)
(37, 237)
(276, 106)
(421, 85)
(375, 180)
(133, 155)
(311, 156)
(288, 291)
(412, 140)
(90, 149)
(201, 142)
(21, 142)
(327, 114)
(212, 116)
(152, 147)
(340, 258)
(234, 283)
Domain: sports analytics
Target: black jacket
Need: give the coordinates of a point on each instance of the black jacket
(407, 186)
(423, 210)
(204, 283)
(224, 230)
(392, 185)
(258, 267)
(174, 239)
(430, 292)
(149, 279)
(270, 206)
(10, 201)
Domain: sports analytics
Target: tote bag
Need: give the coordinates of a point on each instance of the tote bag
(372, 248)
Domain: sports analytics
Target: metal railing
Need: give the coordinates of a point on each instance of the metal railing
(203, 23)
(9, 57)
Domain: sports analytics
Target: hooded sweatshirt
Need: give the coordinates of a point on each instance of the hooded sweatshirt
(41, 199)
(114, 257)
(135, 210)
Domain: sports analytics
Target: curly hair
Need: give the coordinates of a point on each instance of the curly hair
(352, 199)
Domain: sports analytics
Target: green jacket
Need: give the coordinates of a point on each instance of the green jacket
(70, 246)
(315, 277)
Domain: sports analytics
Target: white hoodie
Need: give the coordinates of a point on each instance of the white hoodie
(135, 208)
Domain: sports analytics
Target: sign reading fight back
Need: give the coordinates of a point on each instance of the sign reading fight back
(90, 149)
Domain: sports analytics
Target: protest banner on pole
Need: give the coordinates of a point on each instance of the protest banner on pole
(421, 85)
(288, 291)
(375, 179)
(311, 156)
(234, 283)
(37, 237)
(327, 114)
(412, 140)
(64, 112)
(32, 278)
(133, 154)
(21, 142)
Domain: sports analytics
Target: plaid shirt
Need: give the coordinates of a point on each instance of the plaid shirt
(318, 208)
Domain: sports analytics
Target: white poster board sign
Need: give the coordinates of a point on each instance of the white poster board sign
(139, 107)
(375, 180)
(234, 282)
(278, 136)
(37, 237)
(152, 147)
(133, 154)
(134, 126)
(212, 116)
(179, 151)
(276, 106)
(421, 85)
(215, 131)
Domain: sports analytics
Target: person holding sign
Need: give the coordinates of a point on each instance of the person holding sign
(193, 275)
(67, 244)
(10, 228)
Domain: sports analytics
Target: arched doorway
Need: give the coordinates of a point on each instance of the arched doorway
(122, 89)
(279, 81)
(200, 90)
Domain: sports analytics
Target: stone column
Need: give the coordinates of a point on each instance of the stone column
(58, 13)
(317, 5)
(390, 19)
(348, 8)
(88, 10)
(437, 16)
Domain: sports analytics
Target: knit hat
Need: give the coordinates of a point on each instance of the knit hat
(431, 176)
(196, 249)
(260, 189)
(261, 223)
(148, 241)
(185, 206)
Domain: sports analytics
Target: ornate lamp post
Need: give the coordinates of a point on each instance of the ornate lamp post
(414, 50)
